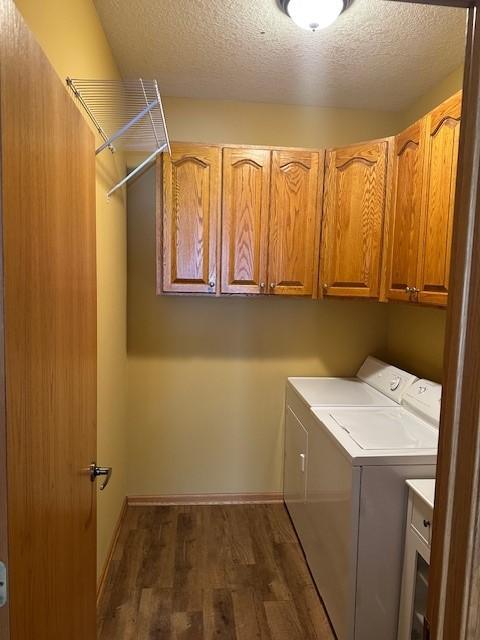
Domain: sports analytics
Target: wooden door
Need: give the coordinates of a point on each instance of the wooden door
(437, 219)
(48, 405)
(245, 210)
(404, 224)
(294, 221)
(191, 207)
(353, 216)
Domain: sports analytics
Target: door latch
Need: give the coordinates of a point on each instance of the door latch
(302, 462)
(3, 585)
(100, 471)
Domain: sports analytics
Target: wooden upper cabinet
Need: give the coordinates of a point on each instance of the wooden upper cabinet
(247, 220)
(191, 207)
(404, 223)
(245, 212)
(294, 221)
(353, 216)
(437, 218)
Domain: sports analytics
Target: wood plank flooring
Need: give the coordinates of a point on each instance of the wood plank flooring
(232, 572)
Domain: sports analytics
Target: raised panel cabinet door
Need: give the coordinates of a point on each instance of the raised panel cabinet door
(294, 221)
(437, 220)
(404, 224)
(245, 210)
(353, 216)
(191, 207)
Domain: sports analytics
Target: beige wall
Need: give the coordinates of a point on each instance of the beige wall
(206, 377)
(415, 339)
(258, 123)
(437, 94)
(72, 37)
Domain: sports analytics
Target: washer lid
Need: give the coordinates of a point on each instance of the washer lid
(339, 392)
(386, 429)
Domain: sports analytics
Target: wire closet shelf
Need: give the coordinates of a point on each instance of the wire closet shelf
(128, 115)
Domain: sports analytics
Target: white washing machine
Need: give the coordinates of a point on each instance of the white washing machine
(355, 504)
(377, 384)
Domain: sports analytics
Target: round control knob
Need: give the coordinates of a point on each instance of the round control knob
(395, 383)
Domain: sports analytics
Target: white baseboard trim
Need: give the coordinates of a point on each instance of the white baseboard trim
(205, 499)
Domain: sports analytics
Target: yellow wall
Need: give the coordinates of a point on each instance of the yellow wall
(415, 339)
(258, 123)
(72, 37)
(206, 377)
(416, 335)
(437, 94)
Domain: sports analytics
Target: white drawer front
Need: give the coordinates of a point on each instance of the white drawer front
(422, 519)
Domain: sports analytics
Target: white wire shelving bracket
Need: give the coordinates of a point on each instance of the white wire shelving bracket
(128, 113)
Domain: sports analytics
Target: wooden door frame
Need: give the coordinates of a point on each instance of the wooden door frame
(454, 599)
(453, 611)
(4, 611)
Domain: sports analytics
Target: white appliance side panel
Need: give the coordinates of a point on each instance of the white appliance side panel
(333, 493)
(295, 472)
(383, 511)
(297, 405)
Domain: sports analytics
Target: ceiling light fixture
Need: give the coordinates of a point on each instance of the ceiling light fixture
(314, 14)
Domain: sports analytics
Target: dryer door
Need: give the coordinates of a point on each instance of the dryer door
(295, 471)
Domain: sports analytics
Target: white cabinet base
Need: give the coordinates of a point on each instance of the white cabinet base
(415, 567)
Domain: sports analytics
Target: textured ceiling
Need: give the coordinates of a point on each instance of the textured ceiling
(379, 54)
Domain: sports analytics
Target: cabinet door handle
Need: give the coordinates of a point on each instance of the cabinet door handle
(272, 285)
(211, 284)
(427, 523)
(262, 285)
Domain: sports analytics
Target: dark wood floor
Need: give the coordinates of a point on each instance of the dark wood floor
(201, 572)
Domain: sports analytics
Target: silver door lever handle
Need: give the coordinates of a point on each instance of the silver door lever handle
(100, 471)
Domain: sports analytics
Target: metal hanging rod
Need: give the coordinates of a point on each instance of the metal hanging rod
(137, 169)
(128, 113)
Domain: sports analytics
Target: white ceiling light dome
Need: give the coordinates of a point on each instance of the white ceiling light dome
(314, 14)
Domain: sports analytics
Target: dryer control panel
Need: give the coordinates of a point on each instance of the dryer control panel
(384, 377)
(424, 399)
